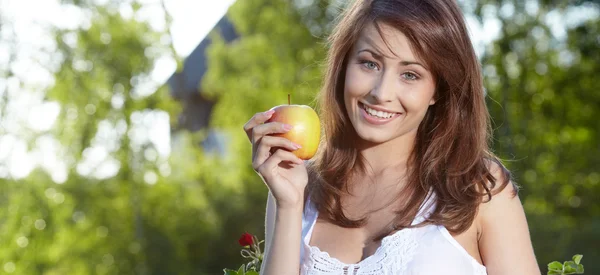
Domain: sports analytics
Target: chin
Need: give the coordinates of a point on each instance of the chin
(373, 136)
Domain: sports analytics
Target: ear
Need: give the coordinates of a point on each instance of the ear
(432, 101)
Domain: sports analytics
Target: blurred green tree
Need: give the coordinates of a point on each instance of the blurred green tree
(89, 224)
(540, 75)
(132, 210)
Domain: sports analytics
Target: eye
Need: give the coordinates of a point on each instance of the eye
(370, 65)
(410, 76)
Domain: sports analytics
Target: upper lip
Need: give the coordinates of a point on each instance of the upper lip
(379, 108)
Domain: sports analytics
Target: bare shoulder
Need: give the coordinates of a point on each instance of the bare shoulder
(504, 195)
(504, 233)
(503, 184)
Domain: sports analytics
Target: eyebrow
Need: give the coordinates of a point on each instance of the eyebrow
(379, 56)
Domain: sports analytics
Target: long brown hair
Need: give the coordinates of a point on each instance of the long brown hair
(451, 155)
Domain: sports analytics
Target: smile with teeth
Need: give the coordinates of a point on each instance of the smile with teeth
(377, 114)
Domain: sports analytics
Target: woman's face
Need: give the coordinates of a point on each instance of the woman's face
(387, 89)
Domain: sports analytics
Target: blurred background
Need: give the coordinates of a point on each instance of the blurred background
(121, 142)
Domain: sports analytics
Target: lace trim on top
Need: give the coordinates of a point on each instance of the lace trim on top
(393, 255)
(402, 244)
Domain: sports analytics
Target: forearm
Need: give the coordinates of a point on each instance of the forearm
(283, 255)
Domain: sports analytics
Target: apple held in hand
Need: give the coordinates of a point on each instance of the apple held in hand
(306, 130)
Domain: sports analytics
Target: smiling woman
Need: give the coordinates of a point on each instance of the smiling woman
(404, 181)
(378, 73)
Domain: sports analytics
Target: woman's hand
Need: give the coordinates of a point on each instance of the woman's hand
(272, 158)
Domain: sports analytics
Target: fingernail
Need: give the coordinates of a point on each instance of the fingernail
(297, 146)
(287, 127)
(270, 112)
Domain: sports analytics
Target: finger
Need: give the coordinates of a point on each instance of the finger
(267, 143)
(262, 130)
(257, 119)
(262, 150)
(269, 128)
(268, 167)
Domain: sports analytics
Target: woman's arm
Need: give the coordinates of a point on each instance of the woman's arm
(283, 230)
(505, 244)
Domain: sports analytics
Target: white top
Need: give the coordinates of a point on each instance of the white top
(414, 251)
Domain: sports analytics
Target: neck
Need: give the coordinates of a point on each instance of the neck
(388, 156)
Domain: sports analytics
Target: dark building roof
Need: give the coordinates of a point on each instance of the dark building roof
(185, 85)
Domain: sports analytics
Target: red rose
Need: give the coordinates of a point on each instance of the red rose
(246, 239)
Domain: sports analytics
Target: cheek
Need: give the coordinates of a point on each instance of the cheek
(419, 99)
(356, 82)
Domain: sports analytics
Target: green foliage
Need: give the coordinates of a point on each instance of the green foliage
(568, 267)
(543, 99)
(240, 271)
(155, 214)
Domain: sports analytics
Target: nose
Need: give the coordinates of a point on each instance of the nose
(385, 88)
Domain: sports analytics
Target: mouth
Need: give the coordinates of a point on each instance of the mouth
(377, 114)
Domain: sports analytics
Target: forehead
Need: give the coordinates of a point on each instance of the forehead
(387, 40)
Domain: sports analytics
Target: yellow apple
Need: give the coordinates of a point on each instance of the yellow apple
(306, 130)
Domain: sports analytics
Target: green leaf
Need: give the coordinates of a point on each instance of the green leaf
(555, 266)
(570, 267)
(242, 270)
(577, 258)
(252, 273)
(554, 272)
(228, 271)
(579, 269)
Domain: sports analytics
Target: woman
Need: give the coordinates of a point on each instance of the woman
(404, 182)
